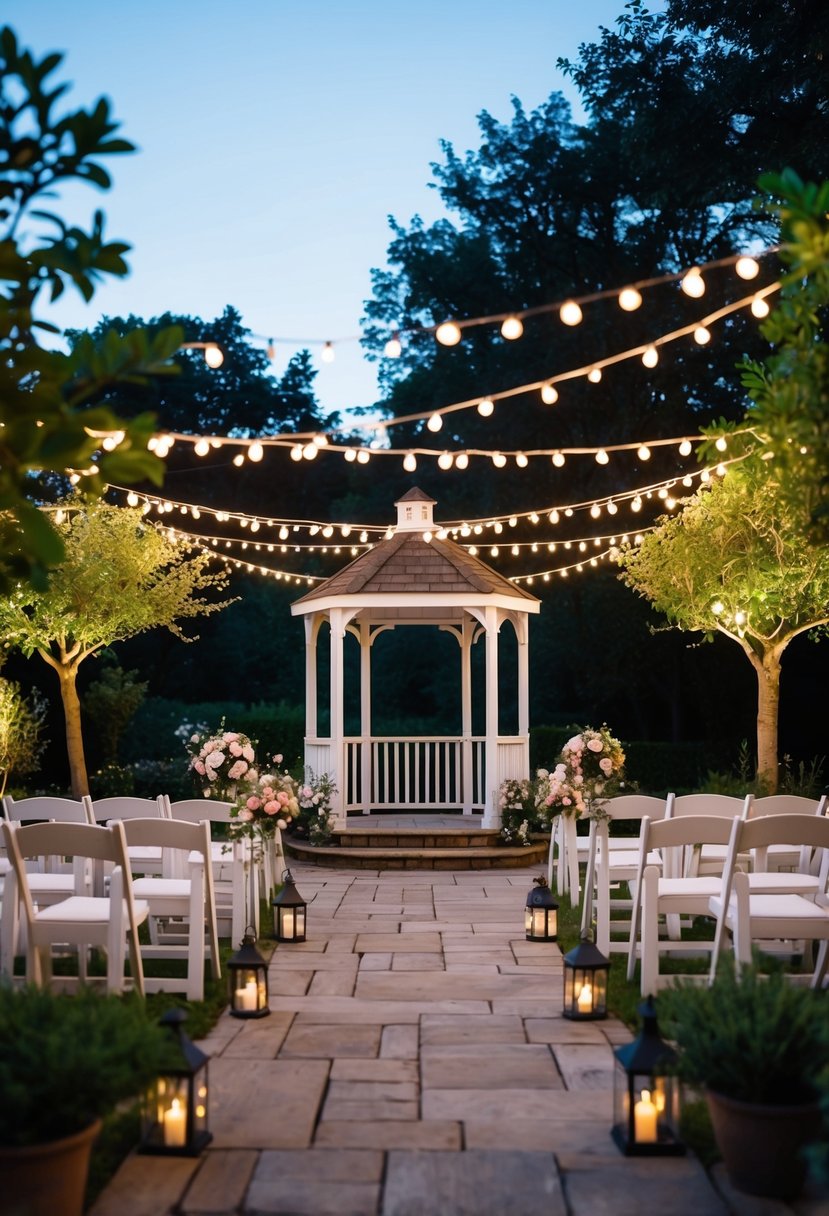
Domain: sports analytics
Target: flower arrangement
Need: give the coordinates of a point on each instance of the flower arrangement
(222, 762)
(314, 819)
(589, 771)
(523, 810)
(265, 803)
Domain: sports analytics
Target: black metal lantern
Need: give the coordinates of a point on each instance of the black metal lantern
(248, 977)
(541, 914)
(289, 912)
(646, 1099)
(174, 1119)
(585, 983)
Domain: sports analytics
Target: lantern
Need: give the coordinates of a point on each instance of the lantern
(289, 912)
(248, 977)
(174, 1119)
(646, 1101)
(540, 917)
(585, 983)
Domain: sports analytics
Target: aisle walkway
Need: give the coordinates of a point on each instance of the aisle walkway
(415, 1064)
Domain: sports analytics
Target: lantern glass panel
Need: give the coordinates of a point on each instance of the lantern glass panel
(585, 992)
(646, 1113)
(291, 923)
(541, 924)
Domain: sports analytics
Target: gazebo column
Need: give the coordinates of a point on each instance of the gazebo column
(492, 816)
(365, 716)
(311, 633)
(467, 760)
(522, 633)
(338, 619)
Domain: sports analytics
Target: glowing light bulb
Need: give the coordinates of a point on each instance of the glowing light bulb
(486, 407)
(521, 460)
(435, 423)
(739, 618)
(512, 328)
(650, 356)
(721, 443)
(611, 507)
(629, 299)
(410, 462)
(702, 336)
(644, 452)
(602, 457)
(239, 459)
(201, 447)
(693, 284)
(747, 268)
(309, 452)
(255, 451)
(558, 459)
(499, 459)
(549, 394)
(393, 348)
(327, 355)
(636, 505)
(213, 355)
(462, 461)
(759, 307)
(448, 334)
(363, 456)
(554, 516)
(132, 501)
(570, 313)
(718, 607)
(685, 448)
(445, 460)
(595, 510)
(594, 375)
(349, 454)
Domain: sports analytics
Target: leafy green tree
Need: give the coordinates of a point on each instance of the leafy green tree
(45, 421)
(736, 562)
(110, 702)
(21, 731)
(120, 577)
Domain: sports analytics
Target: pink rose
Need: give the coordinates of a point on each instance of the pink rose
(267, 792)
(247, 752)
(573, 745)
(235, 748)
(278, 759)
(215, 760)
(567, 801)
(283, 798)
(595, 745)
(606, 765)
(306, 791)
(237, 770)
(281, 824)
(246, 815)
(230, 736)
(253, 803)
(199, 767)
(210, 746)
(273, 807)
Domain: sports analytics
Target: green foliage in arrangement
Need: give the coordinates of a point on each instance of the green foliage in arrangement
(68, 1060)
(758, 1038)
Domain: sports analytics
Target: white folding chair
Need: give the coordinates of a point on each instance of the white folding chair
(773, 905)
(672, 891)
(779, 856)
(612, 861)
(567, 851)
(48, 885)
(709, 858)
(235, 877)
(83, 920)
(143, 860)
(183, 895)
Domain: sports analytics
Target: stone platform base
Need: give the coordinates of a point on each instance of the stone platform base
(377, 848)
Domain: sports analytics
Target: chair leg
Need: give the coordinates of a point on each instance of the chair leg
(195, 938)
(742, 922)
(571, 850)
(819, 973)
(589, 883)
(650, 932)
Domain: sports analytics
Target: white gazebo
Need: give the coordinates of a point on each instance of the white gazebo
(412, 579)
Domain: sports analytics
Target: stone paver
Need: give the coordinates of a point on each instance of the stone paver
(415, 1063)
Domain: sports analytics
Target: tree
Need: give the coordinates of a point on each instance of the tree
(21, 727)
(736, 561)
(120, 577)
(111, 702)
(45, 421)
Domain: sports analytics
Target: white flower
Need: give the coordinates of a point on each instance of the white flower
(215, 760)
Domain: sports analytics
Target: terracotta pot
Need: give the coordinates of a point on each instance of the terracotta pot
(762, 1145)
(47, 1179)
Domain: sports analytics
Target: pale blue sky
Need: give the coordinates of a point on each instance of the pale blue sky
(275, 138)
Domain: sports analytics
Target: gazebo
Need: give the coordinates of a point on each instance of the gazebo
(414, 579)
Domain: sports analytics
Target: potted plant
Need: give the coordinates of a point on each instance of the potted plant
(756, 1046)
(65, 1062)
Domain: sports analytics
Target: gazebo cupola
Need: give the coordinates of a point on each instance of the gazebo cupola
(416, 579)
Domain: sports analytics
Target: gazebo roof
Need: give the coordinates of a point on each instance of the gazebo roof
(408, 563)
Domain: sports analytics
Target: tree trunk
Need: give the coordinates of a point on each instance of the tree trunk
(68, 675)
(768, 704)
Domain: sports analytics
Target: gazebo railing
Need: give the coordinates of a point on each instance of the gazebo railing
(414, 772)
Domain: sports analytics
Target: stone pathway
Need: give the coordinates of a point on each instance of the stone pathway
(416, 1063)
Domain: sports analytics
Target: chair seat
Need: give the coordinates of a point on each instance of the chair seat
(161, 888)
(51, 884)
(676, 887)
(787, 907)
(85, 909)
(778, 882)
(628, 859)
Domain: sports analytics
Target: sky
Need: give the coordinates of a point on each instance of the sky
(276, 138)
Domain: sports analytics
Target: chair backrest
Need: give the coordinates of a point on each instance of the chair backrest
(45, 807)
(124, 807)
(708, 804)
(194, 810)
(675, 836)
(76, 840)
(787, 804)
(173, 836)
(635, 806)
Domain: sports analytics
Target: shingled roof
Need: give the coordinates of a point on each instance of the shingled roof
(409, 563)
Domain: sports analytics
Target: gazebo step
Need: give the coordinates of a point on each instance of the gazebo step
(417, 838)
(418, 857)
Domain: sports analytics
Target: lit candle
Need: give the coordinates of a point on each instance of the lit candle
(246, 997)
(585, 1001)
(287, 923)
(644, 1119)
(175, 1125)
